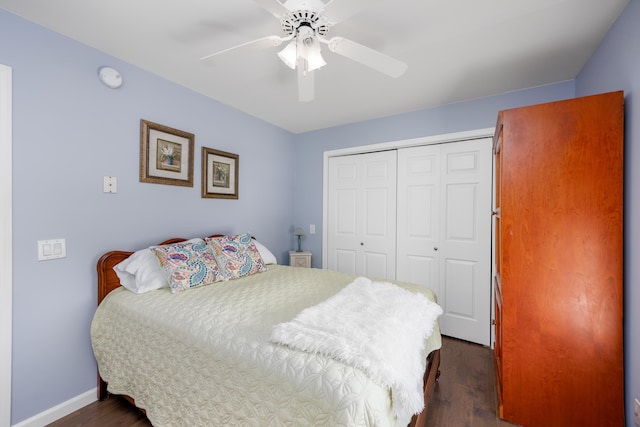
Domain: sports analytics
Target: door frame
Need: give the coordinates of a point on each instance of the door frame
(6, 259)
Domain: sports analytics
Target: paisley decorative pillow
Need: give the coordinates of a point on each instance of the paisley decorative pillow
(237, 256)
(188, 265)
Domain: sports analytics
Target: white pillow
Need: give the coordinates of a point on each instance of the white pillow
(265, 253)
(127, 280)
(141, 272)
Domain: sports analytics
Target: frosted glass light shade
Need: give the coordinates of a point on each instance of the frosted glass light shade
(315, 60)
(288, 55)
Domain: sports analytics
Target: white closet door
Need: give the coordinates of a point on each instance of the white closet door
(362, 214)
(444, 231)
(418, 215)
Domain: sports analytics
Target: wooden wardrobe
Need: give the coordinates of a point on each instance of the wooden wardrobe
(558, 263)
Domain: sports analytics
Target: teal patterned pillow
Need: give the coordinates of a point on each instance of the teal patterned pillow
(188, 265)
(237, 256)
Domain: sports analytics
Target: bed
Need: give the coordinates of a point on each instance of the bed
(207, 356)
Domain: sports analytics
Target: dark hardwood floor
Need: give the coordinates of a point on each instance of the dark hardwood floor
(465, 395)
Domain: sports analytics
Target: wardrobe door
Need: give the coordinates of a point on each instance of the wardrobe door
(362, 214)
(444, 231)
(561, 213)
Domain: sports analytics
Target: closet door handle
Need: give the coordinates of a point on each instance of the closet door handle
(435, 248)
(361, 244)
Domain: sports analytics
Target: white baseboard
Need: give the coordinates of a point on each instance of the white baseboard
(61, 410)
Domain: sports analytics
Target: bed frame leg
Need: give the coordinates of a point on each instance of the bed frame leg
(102, 389)
(431, 375)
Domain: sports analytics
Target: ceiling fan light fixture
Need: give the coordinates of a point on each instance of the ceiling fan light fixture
(305, 27)
(314, 60)
(289, 55)
(309, 49)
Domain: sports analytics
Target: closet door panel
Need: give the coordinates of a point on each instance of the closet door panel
(378, 225)
(362, 216)
(418, 215)
(376, 212)
(376, 265)
(343, 206)
(416, 268)
(345, 261)
(444, 231)
(465, 240)
(346, 202)
(461, 289)
(461, 200)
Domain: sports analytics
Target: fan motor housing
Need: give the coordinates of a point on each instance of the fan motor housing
(297, 18)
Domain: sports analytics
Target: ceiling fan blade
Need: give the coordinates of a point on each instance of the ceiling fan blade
(339, 10)
(276, 8)
(254, 45)
(306, 85)
(367, 56)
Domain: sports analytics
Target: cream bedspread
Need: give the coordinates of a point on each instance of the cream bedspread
(203, 357)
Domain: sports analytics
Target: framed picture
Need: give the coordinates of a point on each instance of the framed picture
(219, 174)
(166, 155)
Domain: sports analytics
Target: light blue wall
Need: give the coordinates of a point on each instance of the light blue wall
(68, 132)
(465, 116)
(616, 66)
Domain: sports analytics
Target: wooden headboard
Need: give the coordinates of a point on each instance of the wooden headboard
(107, 278)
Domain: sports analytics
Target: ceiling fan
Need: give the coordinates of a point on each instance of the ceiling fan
(305, 24)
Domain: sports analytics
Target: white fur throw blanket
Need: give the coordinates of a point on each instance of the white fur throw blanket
(377, 327)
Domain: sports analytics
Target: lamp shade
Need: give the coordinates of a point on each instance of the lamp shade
(314, 59)
(299, 231)
(289, 55)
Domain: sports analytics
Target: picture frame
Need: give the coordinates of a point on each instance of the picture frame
(220, 172)
(166, 155)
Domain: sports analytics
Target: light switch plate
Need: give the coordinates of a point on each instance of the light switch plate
(52, 249)
(109, 184)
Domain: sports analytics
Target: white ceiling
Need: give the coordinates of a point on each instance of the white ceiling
(456, 50)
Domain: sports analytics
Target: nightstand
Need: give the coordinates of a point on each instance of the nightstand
(300, 259)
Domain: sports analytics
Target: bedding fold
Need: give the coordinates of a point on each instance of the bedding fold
(377, 327)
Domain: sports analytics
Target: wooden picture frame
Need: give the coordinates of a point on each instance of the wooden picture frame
(166, 155)
(220, 171)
